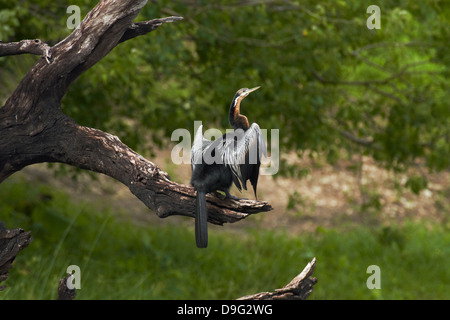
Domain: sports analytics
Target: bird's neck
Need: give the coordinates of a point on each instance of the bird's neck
(237, 120)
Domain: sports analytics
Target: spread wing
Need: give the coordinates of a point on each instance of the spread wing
(242, 152)
(198, 147)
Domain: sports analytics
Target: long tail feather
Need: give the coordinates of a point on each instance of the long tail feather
(201, 220)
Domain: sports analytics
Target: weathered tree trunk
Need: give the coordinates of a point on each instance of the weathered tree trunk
(11, 242)
(33, 128)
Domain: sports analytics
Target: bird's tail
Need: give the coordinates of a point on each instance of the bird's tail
(201, 220)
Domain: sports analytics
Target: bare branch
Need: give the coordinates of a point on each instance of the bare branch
(64, 293)
(386, 94)
(144, 179)
(366, 142)
(33, 128)
(11, 242)
(65, 141)
(298, 289)
(144, 27)
(26, 46)
(351, 137)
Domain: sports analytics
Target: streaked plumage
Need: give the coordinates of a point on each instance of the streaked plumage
(233, 158)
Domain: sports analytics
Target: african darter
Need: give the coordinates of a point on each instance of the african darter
(234, 157)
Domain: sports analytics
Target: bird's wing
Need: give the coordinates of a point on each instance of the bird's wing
(242, 153)
(198, 147)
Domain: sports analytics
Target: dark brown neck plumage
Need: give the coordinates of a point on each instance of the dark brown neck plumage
(237, 120)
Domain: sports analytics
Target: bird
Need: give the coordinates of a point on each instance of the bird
(235, 157)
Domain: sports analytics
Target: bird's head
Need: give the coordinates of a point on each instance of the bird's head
(245, 91)
(238, 120)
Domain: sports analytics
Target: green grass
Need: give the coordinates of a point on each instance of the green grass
(122, 260)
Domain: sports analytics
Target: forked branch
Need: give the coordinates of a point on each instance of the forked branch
(33, 128)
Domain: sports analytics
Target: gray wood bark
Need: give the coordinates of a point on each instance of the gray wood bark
(11, 242)
(33, 128)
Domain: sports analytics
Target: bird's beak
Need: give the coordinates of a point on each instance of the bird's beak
(253, 89)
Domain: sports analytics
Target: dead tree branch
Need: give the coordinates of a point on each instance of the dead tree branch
(26, 46)
(298, 289)
(64, 293)
(144, 27)
(11, 242)
(33, 129)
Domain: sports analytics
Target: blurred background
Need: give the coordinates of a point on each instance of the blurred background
(363, 119)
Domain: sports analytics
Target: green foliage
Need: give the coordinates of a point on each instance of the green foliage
(416, 183)
(321, 71)
(121, 260)
(8, 21)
